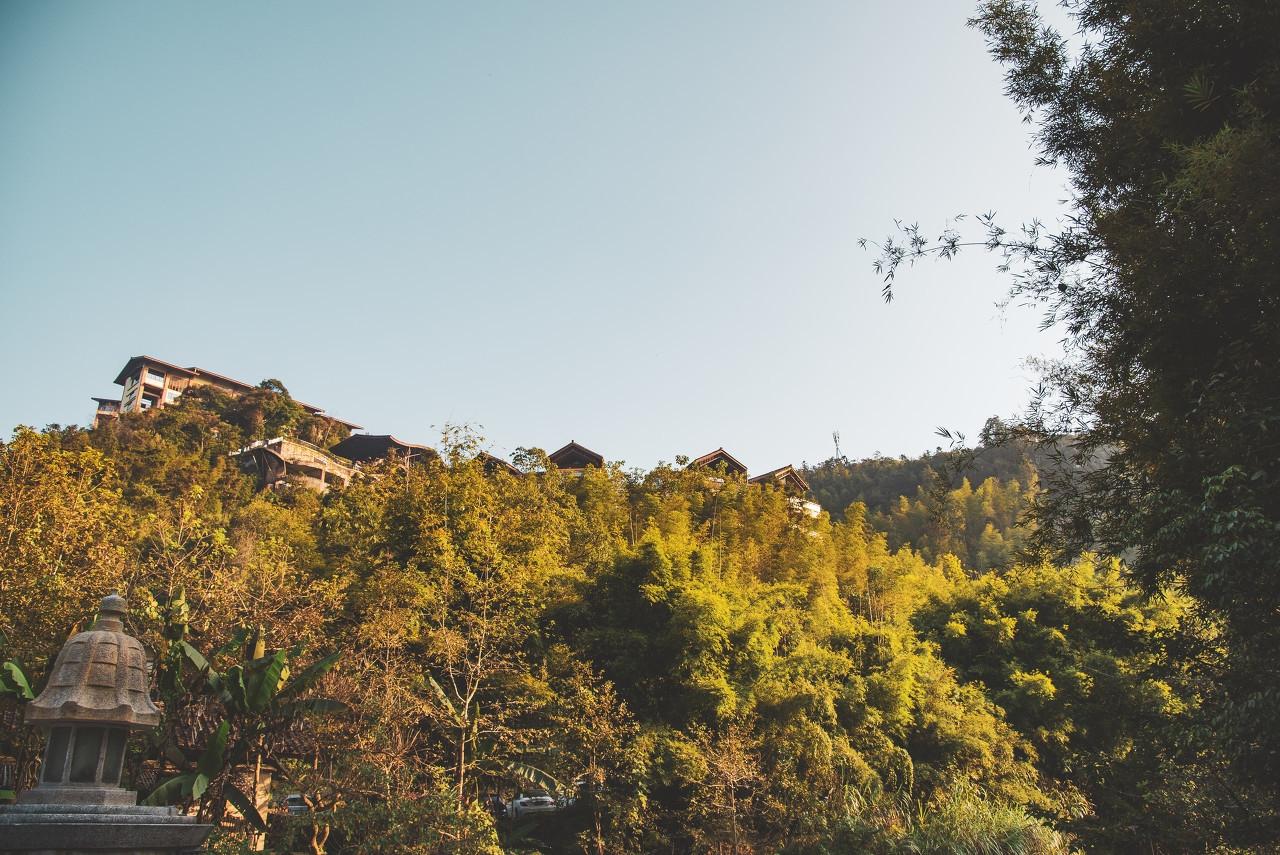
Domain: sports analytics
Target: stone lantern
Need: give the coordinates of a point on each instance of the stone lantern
(96, 693)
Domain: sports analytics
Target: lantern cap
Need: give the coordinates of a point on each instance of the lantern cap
(99, 677)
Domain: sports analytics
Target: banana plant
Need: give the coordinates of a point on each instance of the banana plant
(194, 784)
(15, 683)
(259, 696)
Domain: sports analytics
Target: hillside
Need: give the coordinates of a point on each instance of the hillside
(971, 503)
(694, 659)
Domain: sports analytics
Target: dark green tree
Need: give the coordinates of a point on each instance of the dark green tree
(1163, 281)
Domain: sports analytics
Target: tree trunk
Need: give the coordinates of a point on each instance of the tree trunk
(462, 763)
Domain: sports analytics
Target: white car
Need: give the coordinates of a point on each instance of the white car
(527, 805)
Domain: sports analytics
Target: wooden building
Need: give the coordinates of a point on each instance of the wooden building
(573, 458)
(364, 447)
(149, 382)
(785, 478)
(493, 465)
(720, 460)
(789, 481)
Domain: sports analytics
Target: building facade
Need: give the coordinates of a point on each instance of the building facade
(149, 382)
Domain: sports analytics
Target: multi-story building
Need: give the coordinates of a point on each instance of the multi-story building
(149, 382)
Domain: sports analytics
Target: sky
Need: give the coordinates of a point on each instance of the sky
(633, 225)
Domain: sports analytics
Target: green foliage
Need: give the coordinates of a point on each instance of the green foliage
(692, 663)
(1161, 280)
(14, 682)
(878, 482)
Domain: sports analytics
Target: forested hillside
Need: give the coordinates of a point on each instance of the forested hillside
(878, 482)
(690, 663)
(970, 503)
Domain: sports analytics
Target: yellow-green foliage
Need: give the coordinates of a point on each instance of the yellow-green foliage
(749, 674)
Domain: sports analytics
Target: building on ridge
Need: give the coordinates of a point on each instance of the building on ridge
(149, 382)
(273, 461)
(493, 464)
(719, 459)
(789, 481)
(364, 447)
(573, 459)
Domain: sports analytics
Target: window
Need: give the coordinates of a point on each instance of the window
(85, 755)
(171, 395)
(55, 756)
(114, 758)
(155, 378)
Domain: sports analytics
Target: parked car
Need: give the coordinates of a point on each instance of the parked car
(527, 805)
(296, 804)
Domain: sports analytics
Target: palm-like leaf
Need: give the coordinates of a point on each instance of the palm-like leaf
(458, 720)
(537, 777)
(171, 791)
(245, 805)
(13, 681)
(309, 677)
(264, 680)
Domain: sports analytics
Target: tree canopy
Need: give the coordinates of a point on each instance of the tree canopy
(1162, 280)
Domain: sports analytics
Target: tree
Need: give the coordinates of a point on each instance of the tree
(63, 540)
(1162, 279)
(259, 698)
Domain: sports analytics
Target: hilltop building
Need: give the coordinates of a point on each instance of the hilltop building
(720, 459)
(572, 459)
(788, 480)
(364, 447)
(274, 460)
(493, 465)
(149, 382)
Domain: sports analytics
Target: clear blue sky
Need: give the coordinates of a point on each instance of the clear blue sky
(630, 224)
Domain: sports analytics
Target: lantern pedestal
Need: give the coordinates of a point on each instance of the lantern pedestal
(44, 829)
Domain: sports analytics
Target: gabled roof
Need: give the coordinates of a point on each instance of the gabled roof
(135, 361)
(574, 456)
(493, 464)
(362, 447)
(784, 477)
(717, 458)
